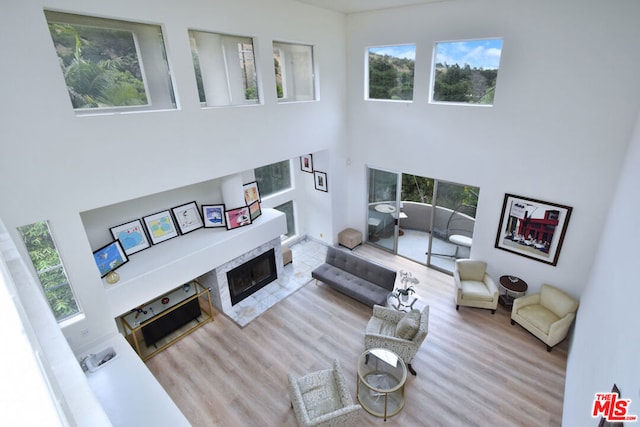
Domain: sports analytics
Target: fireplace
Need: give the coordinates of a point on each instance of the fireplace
(251, 276)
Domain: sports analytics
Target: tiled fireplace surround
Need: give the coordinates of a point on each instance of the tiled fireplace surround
(216, 279)
(307, 255)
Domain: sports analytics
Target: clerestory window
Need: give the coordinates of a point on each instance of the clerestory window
(465, 72)
(110, 65)
(390, 72)
(294, 68)
(225, 69)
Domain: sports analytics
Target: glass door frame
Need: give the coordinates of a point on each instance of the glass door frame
(382, 215)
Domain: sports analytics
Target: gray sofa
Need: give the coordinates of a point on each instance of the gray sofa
(359, 278)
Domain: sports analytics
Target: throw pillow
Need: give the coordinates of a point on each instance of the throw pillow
(408, 326)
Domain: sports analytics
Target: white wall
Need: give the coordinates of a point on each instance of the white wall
(55, 165)
(565, 103)
(606, 342)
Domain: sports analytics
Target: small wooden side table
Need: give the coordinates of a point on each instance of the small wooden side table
(514, 287)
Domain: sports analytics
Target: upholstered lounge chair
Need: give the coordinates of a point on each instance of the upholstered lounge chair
(322, 399)
(548, 315)
(400, 332)
(474, 287)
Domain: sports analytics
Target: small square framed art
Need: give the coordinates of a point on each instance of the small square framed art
(160, 227)
(187, 217)
(320, 179)
(306, 163)
(110, 257)
(238, 217)
(213, 216)
(132, 236)
(251, 192)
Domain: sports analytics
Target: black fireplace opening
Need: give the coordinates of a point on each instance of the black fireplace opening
(252, 276)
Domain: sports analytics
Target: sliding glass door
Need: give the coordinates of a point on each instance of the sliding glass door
(436, 221)
(383, 208)
(427, 220)
(454, 208)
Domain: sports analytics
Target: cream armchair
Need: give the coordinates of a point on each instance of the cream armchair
(400, 332)
(474, 287)
(322, 399)
(548, 315)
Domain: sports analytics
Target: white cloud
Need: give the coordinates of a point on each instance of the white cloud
(400, 51)
(477, 54)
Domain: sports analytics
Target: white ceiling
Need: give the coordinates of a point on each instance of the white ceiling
(352, 6)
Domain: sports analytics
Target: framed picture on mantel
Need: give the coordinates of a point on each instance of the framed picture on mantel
(160, 227)
(213, 216)
(238, 217)
(187, 217)
(132, 236)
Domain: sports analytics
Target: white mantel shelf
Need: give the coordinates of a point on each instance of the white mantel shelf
(169, 264)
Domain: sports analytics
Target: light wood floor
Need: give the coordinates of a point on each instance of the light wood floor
(474, 368)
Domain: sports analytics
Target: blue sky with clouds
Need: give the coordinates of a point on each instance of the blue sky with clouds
(477, 53)
(407, 51)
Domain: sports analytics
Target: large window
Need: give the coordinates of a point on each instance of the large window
(273, 178)
(294, 68)
(390, 72)
(111, 65)
(225, 69)
(48, 265)
(466, 72)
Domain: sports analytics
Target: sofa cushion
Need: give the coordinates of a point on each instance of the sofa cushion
(361, 267)
(380, 326)
(319, 393)
(471, 270)
(558, 301)
(538, 316)
(473, 289)
(408, 326)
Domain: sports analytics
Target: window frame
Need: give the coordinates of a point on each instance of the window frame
(294, 231)
(228, 56)
(78, 312)
(263, 192)
(155, 68)
(289, 76)
(434, 72)
(367, 74)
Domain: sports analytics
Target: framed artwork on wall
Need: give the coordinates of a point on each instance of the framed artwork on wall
(306, 163)
(213, 216)
(187, 217)
(238, 217)
(320, 179)
(160, 227)
(532, 228)
(132, 236)
(251, 193)
(254, 210)
(110, 257)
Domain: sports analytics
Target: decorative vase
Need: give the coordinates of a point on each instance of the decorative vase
(404, 297)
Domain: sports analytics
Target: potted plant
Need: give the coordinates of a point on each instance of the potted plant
(406, 278)
(404, 293)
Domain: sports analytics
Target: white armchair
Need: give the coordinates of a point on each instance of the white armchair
(400, 332)
(474, 287)
(322, 399)
(548, 315)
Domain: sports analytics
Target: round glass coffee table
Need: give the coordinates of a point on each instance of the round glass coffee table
(381, 378)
